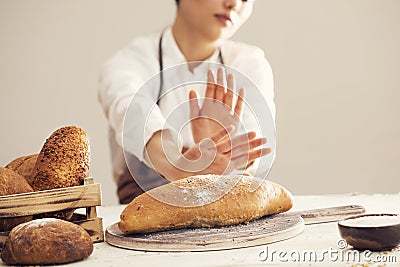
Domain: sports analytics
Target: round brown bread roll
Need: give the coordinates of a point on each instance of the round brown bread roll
(12, 183)
(62, 162)
(46, 241)
(23, 165)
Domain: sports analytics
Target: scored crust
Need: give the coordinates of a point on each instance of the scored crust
(148, 214)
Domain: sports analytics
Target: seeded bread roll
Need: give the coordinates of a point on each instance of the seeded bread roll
(46, 241)
(62, 162)
(23, 165)
(200, 201)
(12, 183)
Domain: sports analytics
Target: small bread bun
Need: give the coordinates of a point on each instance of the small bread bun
(46, 241)
(23, 165)
(12, 183)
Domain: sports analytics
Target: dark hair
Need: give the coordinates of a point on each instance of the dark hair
(177, 2)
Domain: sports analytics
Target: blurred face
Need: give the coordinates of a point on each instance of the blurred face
(214, 19)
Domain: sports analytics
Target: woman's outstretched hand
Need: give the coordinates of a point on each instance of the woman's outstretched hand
(218, 148)
(217, 111)
(222, 153)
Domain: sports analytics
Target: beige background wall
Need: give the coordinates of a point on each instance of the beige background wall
(336, 66)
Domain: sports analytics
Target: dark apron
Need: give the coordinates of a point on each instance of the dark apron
(128, 188)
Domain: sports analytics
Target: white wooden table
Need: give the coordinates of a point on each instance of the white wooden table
(317, 242)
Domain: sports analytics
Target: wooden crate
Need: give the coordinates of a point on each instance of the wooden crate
(87, 196)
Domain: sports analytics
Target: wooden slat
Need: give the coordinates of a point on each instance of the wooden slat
(50, 200)
(94, 227)
(91, 212)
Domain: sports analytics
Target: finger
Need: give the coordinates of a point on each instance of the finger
(193, 153)
(219, 93)
(231, 81)
(210, 90)
(223, 133)
(193, 104)
(228, 144)
(255, 154)
(247, 158)
(245, 148)
(220, 88)
(221, 76)
(206, 144)
(239, 103)
(229, 92)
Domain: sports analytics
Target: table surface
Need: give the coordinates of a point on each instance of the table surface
(319, 244)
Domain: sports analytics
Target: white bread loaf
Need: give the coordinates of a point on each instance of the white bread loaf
(194, 204)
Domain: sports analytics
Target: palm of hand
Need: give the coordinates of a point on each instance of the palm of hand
(216, 111)
(213, 116)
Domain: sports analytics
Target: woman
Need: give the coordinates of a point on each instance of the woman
(199, 34)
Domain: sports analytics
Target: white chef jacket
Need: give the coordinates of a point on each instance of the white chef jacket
(125, 73)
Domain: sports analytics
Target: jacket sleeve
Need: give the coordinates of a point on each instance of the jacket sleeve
(128, 94)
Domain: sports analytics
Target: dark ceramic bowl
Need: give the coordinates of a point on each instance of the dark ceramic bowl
(374, 232)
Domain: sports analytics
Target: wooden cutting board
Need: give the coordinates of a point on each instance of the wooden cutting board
(265, 230)
(262, 231)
